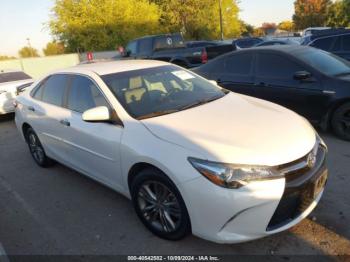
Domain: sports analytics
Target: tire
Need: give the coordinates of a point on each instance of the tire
(36, 149)
(341, 122)
(162, 211)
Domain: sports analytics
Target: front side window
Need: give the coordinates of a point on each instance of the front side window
(161, 90)
(324, 43)
(84, 95)
(276, 67)
(53, 89)
(346, 43)
(324, 62)
(240, 64)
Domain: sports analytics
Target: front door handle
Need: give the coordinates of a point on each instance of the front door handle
(65, 122)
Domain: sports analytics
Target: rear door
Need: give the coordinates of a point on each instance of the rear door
(46, 114)
(237, 74)
(275, 82)
(93, 147)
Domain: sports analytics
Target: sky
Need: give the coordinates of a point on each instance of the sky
(22, 19)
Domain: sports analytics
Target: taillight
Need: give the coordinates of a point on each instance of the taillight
(204, 56)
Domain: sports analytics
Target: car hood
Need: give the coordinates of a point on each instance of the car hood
(238, 129)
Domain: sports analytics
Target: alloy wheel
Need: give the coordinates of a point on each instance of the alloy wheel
(345, 121)
(36, 148)
(159, 206)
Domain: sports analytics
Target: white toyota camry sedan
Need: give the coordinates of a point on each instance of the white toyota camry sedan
(191, 156)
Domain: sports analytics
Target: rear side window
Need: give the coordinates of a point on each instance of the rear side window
(145, 46)
(240, 64)
(54, 89)
(84, 95)
(276, 67)
(324, 43)
(165, 42)
(337, 44)
(346, 42)
(131, 48)
(13, 76)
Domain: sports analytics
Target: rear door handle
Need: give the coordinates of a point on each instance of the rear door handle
(65, 122)
(30, 108)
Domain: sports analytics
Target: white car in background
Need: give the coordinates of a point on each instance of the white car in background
(193, 157)
(10, 81)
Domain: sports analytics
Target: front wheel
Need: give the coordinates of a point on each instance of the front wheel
(341, 122)
(159, 205)
(36, 149)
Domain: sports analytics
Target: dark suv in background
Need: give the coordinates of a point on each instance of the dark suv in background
(336, 41)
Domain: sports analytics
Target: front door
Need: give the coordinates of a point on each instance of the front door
(93, 148)
(275, 82)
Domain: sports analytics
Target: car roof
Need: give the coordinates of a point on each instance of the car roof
(111, 67)
(2, 71)
(288, 49)
(155, 36)
(329, 33)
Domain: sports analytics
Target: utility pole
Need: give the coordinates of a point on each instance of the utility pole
(30, 47)
(221, 29)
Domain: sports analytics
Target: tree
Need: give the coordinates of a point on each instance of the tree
(310, 13)
(94, 25)
(28, 51)
(5, 57)
(286, 26)
(258, 32)
(247, 29)
(200, 19)
(339, 14)
(269, 28)
(53, 48)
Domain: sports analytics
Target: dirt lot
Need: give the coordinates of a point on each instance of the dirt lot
(58, 211)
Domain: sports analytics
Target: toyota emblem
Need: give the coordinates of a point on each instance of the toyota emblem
(311, 160)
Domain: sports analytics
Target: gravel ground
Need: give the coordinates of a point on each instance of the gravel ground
(58, 211)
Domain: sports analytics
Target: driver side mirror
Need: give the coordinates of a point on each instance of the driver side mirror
(101, 114)
(302, 75)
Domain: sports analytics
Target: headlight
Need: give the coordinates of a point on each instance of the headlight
(232, 176)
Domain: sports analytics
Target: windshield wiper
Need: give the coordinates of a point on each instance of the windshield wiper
(158, 113)
(201, 102)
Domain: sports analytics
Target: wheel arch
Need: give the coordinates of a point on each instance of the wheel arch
(25, 128)
(327, 122)
(137, 168)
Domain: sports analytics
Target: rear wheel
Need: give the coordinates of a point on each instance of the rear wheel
(159, 205)
(36, 149)
(341, 122)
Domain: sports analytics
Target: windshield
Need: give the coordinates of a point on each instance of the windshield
(161, 90)
(325, 62)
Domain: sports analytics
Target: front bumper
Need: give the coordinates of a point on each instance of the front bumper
(257, 210)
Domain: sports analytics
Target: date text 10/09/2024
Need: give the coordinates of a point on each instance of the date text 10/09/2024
(173, 258)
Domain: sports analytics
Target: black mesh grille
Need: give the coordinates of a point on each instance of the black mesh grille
(298, 194)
